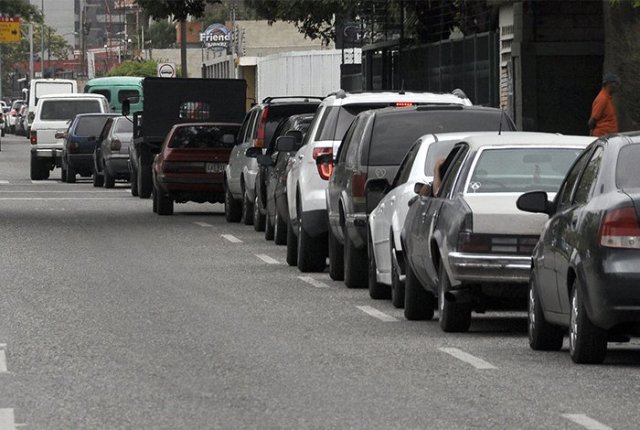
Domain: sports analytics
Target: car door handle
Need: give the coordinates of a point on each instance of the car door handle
(300, 157)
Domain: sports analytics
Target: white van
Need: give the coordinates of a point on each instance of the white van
(43, 87)
(53, 115)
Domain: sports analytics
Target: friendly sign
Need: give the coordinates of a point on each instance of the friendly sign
(9, 29)
(167, 70)
(216, 37)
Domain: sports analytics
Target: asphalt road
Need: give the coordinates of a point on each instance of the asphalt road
(112, 317)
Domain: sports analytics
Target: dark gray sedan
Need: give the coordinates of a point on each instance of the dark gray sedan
(111, 158)
(586, 266)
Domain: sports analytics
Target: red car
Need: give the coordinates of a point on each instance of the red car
(190, 165)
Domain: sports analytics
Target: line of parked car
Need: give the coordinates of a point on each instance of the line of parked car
(422, 198)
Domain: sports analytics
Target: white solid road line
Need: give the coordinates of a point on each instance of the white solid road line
(476, 362)
(231, 238)
(267, 259)
(3, 361)
(45, 182)
(586, 422)
(202, 224)
(377, 314)
(314, 282)
(7, 419)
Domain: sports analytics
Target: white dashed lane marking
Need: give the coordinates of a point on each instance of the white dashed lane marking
(586, 422)
(313, 282)
(476, 362)
(203, 224)
(3, 361)
(267, 259)
(231, 238)
(7, 419)
(377, 314)
(4, 182)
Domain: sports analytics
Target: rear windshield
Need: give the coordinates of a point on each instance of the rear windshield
(90, 126)
(124, 126)
(279, 112)
(518, 170)
(627, 173)
(202, 137)
(61, 110)
(393, 134)
(337, 119)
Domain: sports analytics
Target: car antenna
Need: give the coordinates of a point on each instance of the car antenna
(401, 92)
(500, 126)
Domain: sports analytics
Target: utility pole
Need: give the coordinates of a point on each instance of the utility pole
(183, 47)
(42, 41)
(30, 52)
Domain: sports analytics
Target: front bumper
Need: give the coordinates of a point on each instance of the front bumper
(489, 267)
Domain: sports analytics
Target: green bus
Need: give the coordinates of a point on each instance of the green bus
(116, 89)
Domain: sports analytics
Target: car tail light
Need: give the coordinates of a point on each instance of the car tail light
(33, 137)
(262, 125)
(115, 145)
(404, 104)
(620, 229)
(73, 146)
(358, 182)
(475, 243)
(324, 169)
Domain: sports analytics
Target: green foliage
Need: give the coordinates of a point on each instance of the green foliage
(221, 12)
(178, 9)
(634, 3)
(20, 8)
(162, 34)
(135, 68)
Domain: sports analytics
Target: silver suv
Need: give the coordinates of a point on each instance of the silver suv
(307, 182)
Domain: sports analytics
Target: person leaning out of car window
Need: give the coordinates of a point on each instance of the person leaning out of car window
(432, 189)
(604, 118)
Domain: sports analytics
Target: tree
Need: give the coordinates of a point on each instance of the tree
(135, 68)
(20, 8)
(162, 34)
(179, 10)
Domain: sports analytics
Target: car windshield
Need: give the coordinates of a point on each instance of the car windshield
(627, 167)
(90, 125)
(61, 110)
(518, 170)
(202, 137)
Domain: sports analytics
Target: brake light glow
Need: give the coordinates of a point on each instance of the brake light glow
(262, 125)
(324, 169)
(620, 229)
(33, 137)
(404, 104)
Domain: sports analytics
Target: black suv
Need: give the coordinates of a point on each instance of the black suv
(373, 148)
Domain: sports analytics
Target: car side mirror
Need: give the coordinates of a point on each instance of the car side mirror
(265, 160)
(253, 152)
(417, 188)
(534, 201)
(325, 158)
(60, 135)
(228, 139)
(126, 107)
(286, 144)
(296, 134)
(378, 185)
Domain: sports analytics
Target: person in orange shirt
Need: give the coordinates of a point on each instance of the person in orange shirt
(604, 119)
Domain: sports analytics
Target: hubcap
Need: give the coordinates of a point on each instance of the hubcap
(441, 301)
(532, 307)
(573, 328)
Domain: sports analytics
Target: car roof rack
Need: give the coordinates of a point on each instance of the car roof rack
(306, 98)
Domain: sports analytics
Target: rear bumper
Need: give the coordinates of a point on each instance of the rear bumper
(47, 152)
(190, 183)
(117, 165)
(80, 161)
(489, 268)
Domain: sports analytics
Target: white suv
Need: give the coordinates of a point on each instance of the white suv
(307, 182)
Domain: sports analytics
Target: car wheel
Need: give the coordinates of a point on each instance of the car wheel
(419, 303)
(355, 264)
(259, 221)
(109, 181)
(587, 343)
(165, 203)
(145, 180)
(232, 209)
(454, 317)
(397, 286)
(336, 258)
(542, 335)
(310, 258)
(292, 246)
(247, 209)
(98, 179)
(279, 230)
(377, 291)
(71, 175)
(154, 198)
(133, 175)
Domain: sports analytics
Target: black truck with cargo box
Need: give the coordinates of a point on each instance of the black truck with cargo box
(170, 101)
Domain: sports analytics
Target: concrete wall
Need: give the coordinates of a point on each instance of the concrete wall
(194, 59)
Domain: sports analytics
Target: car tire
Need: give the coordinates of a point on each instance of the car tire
(419, 304)
(377, 291)
(355, 264)
(279, 230)
(542, 335)
(109, 181)
(259, 220)
(232, 209)
(98, 179)
(292, 246)
(165, 203)
(454, 317)
(145, 180)
(71, 175)
(336, 258)
(38, 169)
(587, 343)
(154, 199)
(247, 208)
(310, 257)
(63, 173)
(397, 286)
(133, 176)
(268, 230)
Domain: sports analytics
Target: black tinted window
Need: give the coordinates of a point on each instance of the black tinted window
(405, 167)
(393, 134)
(132, 95)
(278, 112)
(60, 110)
(90, 126)
(567, 187)
(627, 173)
(202, 137)
(589, 177)
(337, 120)
(105, 93)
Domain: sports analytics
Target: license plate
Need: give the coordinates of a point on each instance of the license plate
(214, 167)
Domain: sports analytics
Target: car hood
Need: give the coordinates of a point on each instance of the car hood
(497, 213)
